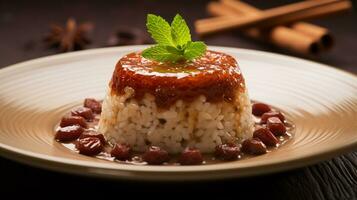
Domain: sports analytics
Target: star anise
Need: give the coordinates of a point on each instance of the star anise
(69, 38)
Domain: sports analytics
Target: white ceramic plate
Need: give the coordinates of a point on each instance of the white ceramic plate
(34, 95)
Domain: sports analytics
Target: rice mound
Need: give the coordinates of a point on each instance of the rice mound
(199, 124)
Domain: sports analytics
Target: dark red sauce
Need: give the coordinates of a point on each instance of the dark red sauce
(215, 75)
(83, 138)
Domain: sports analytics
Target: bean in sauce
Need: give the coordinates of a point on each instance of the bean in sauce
(84, 112)
(267, 137)
(276, 126)
(190, 156)
(93, 104)
(156, 156)
(121, 152)
(258, 109)
(68, 133)
(227, 151)
(267, 115)
(93, 133)
(89, 146)
(254, 146)
(73, 120)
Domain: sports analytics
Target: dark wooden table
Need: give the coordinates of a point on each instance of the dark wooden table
(23, 24)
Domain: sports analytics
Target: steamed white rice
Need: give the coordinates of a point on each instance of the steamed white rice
(198, 124)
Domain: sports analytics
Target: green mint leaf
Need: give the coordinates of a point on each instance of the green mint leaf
(174, 50)
(173, 42)
(161, 53)
(194, 50)
(180, 31)
(159, 29)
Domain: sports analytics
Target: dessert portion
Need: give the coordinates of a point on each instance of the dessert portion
(78, 131)
(198, 104)
(175, 103)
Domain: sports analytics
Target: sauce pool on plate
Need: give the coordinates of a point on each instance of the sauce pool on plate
(78, 132)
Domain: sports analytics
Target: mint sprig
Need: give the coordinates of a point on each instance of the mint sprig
(180, 31)
(174, 42)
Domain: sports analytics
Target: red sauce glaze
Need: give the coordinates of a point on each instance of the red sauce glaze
(215, 75)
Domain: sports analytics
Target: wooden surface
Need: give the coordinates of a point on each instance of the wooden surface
(23, 24)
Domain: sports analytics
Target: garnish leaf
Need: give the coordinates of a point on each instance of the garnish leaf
(173, 42)
(159, 30)
(161, 53)
(194, 49)
(180, 31)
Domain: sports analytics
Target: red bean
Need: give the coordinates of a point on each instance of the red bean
(267, 115)
(121, 151)
(253, 146)
(94, 105)
(260, 108)
(93, 133)
(227, 152)
(89, 146)
(266, 136)
(68, 133)
(73, 120)
(190, 156)
(276, 126)
(83, 112)
(155, 156)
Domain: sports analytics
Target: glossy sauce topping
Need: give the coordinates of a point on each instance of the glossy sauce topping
(215, 75)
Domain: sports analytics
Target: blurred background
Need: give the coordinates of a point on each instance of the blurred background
(24, 25)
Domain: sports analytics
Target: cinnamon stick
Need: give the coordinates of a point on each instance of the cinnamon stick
(281, 36)
(275, 16)
(317, 33)
(322, 35)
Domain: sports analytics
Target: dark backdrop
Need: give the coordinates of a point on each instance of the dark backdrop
(24, 23)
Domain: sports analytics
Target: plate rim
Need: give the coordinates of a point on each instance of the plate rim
(214, 47)
(21, 155)
(50, 163)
